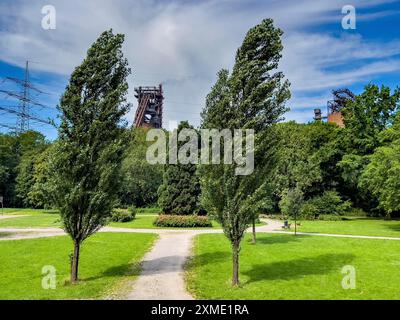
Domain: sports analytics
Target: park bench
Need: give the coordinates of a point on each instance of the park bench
(286, 225)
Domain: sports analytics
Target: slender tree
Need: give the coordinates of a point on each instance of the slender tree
(252, 97)
(91, 141)
(180, 191)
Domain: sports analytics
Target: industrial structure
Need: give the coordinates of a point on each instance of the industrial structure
(150, 107)
(334, 107)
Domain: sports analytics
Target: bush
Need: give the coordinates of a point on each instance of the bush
(329, 203)
(356, 212)
(122, 216)
(332, 217)
(132, 211)
(191, 221)
(148, 210)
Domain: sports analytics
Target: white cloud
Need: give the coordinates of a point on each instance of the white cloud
(183, 45)
(308, 60)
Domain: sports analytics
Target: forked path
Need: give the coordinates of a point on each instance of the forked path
(162, 276)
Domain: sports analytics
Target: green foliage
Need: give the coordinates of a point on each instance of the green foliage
(252, 97)
(141, 180)
(24, 180)
(381, 175)
(132, 210)
(33, 183)
(180, 192)
(372, 112)
(217, 103)
(122, 216)
(365, 118)
(91, 144)
(291, 201)
(179, 221)
(12, 148)
(329, 203)
(306, 157)
(41, 192)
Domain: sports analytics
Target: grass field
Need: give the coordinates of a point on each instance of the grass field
(38, 220)
(355, 225)
(295, 267)
(107, 259)
(27, 211)
(46, 220)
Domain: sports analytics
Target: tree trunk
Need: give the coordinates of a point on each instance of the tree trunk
(75, 262)
(254, 232)
(235, 264)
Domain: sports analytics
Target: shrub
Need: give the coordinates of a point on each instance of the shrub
(132, 211)
(148, 210)
(122, 216)
(191, 221)
(356, 212)
(328, 203)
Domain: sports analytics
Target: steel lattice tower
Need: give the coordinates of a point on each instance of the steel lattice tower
(150, 107)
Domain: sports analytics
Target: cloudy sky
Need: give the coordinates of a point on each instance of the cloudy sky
(182, 44)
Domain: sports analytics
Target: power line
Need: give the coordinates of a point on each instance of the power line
(31, 117)
(23, 111)
(8, 126)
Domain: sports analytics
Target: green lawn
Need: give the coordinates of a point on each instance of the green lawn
(27, 211)
(150, 210)
(107, 260)
(39, 220)
(355, 226)
(295, 267)
(45, 220)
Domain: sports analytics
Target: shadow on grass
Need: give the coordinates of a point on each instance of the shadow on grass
(117, 271)
(395, 226)
(276, 239)
(52, 211)
(286, 270)
(213, 257)
(5, 234)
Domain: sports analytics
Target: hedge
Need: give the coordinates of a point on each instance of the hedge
(122, 216)
(191, 221)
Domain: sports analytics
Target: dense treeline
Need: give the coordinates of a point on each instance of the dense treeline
(26, 179)
(22, 162)
(330, 166)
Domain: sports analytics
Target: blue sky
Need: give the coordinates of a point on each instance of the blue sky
(182, 44)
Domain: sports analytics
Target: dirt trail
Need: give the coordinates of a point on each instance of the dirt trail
(162, 275)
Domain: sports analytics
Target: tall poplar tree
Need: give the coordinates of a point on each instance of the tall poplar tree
(91, 141)
(252, 97)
